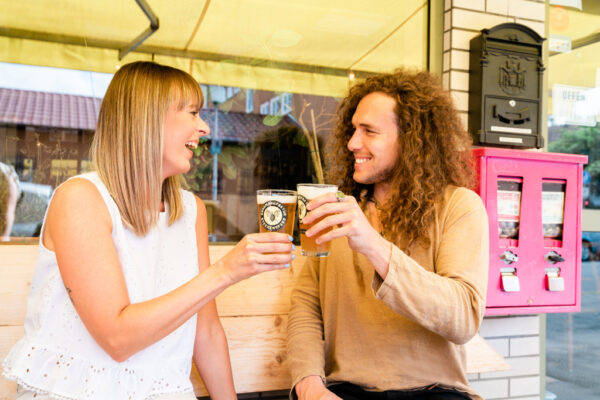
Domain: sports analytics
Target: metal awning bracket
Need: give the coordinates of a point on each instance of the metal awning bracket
(144, 35)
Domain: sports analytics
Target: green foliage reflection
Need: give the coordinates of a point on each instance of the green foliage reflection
(583, 140)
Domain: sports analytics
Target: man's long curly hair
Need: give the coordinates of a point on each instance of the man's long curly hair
(434, 152)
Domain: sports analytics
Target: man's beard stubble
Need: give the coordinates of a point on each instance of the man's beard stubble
(385, 176)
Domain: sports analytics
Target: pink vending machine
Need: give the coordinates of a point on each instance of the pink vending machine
(533, 201)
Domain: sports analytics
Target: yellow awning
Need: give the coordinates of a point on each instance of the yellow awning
(307, 46)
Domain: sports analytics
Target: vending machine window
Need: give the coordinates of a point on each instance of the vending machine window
(553, 205)
(509, 209)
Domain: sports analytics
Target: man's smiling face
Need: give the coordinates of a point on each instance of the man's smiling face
(375, 139)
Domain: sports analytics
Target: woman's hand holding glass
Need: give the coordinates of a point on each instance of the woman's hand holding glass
(256, 253)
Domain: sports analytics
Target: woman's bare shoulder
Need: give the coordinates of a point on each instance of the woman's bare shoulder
(76, 204)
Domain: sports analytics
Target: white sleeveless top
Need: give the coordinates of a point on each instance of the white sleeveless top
(57, 356)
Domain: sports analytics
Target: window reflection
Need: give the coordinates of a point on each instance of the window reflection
(250, 150)
(42, 159)
(246, 150)
(294, 50)
(572, 350)
(574, 83)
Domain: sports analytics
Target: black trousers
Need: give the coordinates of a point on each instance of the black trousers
(348, 391)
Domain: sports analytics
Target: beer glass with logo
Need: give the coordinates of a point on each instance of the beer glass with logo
(307, 192)
(276, 210)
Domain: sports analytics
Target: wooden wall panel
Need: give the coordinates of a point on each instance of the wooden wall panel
(258, 356)
(9, 335)
(253, 313)
(16, 270)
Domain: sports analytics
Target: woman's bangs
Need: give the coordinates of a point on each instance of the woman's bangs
(185, 91)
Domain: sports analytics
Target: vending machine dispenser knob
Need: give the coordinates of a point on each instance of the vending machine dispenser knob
(509, 257)
(554, 257)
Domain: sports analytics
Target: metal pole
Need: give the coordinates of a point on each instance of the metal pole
(216, 151)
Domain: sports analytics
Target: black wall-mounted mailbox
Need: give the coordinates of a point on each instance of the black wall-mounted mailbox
(505, 87)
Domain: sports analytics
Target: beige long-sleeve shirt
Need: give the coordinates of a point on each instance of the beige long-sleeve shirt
(346, 324)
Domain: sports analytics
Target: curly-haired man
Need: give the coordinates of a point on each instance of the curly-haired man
(386, 315)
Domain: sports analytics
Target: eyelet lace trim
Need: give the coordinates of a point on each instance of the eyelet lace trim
(41, 392)
(91, 382)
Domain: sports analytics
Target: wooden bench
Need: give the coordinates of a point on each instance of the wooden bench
(253, 313)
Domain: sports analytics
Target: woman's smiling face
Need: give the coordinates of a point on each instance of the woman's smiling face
(182, 132)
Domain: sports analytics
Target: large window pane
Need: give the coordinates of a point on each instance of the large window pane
(574, 81)
(572, 349)
(272, 74)
(250, 151)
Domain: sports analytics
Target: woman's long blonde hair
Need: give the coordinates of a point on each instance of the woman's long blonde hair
(128, 144)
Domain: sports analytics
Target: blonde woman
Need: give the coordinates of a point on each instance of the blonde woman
(123, 294)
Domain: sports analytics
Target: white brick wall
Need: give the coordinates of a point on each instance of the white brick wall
(525, 386)
(516, 338)
(466, 19)
(524, 346)
(461, 100)
(521, 325)
(519, 366)
(446, 80)
(459, 59)
(517, 8)
(459, 80)
(527, 398)
(491, 389)
(501, 345)
(461, 38)
(470, 4)
(463, 20)
(536, 26)
(497, 7)
(464, 117)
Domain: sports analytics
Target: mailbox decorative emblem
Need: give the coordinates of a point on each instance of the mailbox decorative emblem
(512, 77)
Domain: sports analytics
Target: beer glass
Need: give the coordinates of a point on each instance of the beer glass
(307, 192)
(276, 210)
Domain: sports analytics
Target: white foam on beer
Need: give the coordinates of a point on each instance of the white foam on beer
(310, 192)
(263, 198)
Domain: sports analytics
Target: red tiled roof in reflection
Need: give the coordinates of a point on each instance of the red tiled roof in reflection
(25, 107)
(241, 127)
(53, 110)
